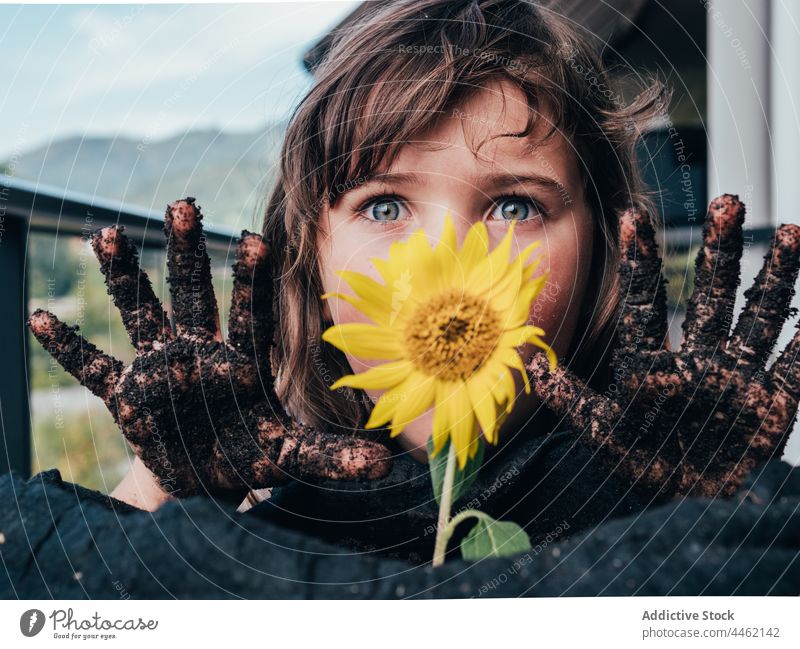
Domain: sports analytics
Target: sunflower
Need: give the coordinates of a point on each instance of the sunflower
(448, 322)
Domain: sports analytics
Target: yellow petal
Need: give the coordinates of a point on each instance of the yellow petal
(494, 380)
(365, 340)
(364, 286)
(510, 390)
(491, 270)
(448, 244)
(527, 272)
(463, 422)
(503, 387)
(375, 313)
(511, 281)
(384, 410)
(473, 446)
(390, 401)
(483, 404)
(441, 415)
(380, 377)
(523, 256)
(403, 262)
(415, 400)
(519, 336)
(425, 270)
(452, 275)
(551, 354)
(511, 358)
(533, 284)
(385, 268)
(521, 310)
(505, 291)
(475, 248)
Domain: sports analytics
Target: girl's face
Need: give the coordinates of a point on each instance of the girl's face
(540, 187)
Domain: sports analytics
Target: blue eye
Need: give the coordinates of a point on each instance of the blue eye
(385, 209)
(513, 208)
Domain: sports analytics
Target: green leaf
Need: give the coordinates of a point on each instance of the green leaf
(463, 479)
(491, 538)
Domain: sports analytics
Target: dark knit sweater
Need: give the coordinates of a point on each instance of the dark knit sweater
(590, 536)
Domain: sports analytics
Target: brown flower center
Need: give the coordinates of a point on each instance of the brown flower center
(452, 335)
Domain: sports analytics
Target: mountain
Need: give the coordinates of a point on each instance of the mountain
(228, 172)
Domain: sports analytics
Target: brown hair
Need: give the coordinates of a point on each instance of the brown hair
(387, 78)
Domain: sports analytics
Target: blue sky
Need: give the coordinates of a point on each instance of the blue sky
(151, 70)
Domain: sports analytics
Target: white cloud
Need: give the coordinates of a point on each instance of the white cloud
(168, 42)
(111, 67)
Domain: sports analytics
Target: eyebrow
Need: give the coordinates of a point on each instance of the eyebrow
(495, 180)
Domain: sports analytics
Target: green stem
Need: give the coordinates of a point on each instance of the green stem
(445, 525)
(443, 537)
(462, 516)
(444, 508)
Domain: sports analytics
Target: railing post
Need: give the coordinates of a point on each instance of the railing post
(14, 410)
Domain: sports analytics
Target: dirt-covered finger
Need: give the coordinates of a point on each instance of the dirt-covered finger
(95, 370)
(709, 311)
(194, 304)
(250, 324)
(643, 302)
(312, 454)
(784, 374)
(260, 449)
(569, 397)
(141, 311)
(768, 299)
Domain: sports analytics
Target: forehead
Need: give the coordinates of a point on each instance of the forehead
(479, 134)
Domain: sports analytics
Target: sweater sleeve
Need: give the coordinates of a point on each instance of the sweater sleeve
(57, 540)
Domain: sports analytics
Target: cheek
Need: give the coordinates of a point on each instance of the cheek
(558, 306)
(556, 302)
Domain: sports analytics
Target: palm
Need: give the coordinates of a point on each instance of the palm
(200, 411)
(697, 420)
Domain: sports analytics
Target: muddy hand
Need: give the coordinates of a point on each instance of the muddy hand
(697, 420)
(199, 411)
